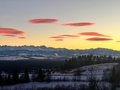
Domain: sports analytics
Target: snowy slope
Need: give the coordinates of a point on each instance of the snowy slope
(97, 71)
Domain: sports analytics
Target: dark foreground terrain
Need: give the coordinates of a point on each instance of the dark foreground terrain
(30, 64)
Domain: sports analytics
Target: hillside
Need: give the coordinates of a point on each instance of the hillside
(98, 72)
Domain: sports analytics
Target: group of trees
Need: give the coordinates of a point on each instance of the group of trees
(113, 76)
(84, 60)
(110, 76)
(17, 76)
(13, 77)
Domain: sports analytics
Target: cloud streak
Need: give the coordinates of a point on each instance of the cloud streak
(62, 37)
(59, 40)
(35, 21)
(93, 34)
(10, 35)
(98, 39)
(65, 36)
(11, 32)
(78, 24)
(21, 37)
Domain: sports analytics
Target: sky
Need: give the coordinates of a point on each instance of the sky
(72, 24)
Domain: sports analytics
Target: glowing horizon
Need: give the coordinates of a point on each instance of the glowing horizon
(60, 24)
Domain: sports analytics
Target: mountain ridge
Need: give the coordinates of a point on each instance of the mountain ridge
(51, 51)
(43, 46)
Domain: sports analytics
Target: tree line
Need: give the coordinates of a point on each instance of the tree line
(84, 60)
(17, 76)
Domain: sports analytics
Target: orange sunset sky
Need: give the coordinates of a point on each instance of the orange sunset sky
(72, 24)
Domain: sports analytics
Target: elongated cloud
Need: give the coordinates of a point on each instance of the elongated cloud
(117, 41)
(21, 37)
(93, 34)
(11, 32)
(61, 37)
(10, 35)
(43, 21)
(65, 36)
(59, 40)
(78, 24)
(98, 39)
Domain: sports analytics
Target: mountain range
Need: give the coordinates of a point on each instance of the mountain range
(50, 51)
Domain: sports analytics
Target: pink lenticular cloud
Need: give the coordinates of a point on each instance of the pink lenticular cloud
(11, 32)
(43, 21)
(78, 24)
(98, 39)
(93, 34)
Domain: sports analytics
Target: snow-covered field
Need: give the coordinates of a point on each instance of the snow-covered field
(25, 57)
(13, 58)
(96, 70)
(42, 85)
(39, 57)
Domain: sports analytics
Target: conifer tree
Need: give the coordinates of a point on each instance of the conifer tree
(41, 75)
(15, 77)
(26, 76)
(1, 79)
